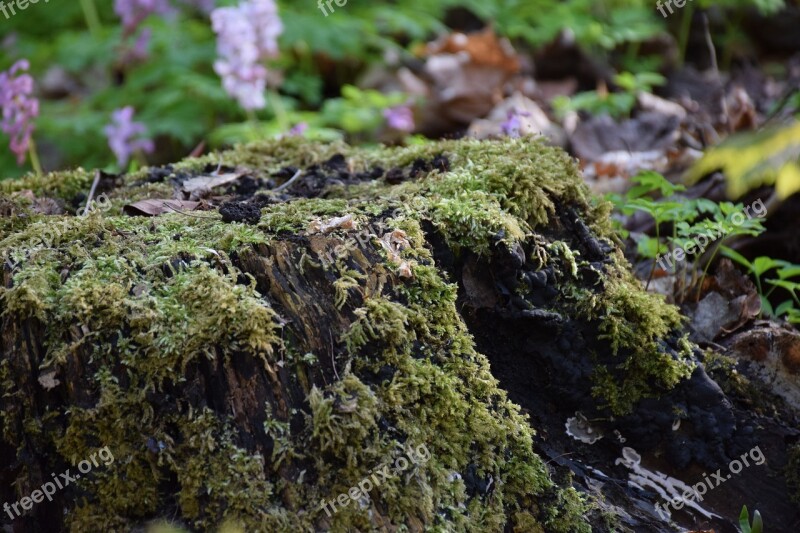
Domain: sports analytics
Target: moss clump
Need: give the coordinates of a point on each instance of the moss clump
(635, 323)
(178, 340)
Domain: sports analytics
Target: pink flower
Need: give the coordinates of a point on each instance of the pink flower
(400, 118)
(125, 136)
(19, 108)
(512, 124)
(133, 12)
(246, 35)
(298, 129)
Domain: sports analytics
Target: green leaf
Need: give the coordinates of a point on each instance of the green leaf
(793, 316)
(650, 247)
(784, 284)
(744, 520)
(654, 181)
(763, 264)
(789, 271)
(784, 308)
(766, 307)
(758, 525)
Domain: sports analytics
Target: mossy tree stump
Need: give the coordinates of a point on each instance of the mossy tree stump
(252, 372)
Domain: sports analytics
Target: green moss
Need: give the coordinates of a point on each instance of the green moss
(633, 322)
(471, 219)
(64, 184)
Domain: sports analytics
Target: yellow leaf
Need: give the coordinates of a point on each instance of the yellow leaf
(750, 160)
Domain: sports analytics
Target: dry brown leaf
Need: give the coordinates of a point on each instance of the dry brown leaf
(742, 113)
(154, 206)
(467, 75)
(484, 48)
(343, 222)
(199, 183)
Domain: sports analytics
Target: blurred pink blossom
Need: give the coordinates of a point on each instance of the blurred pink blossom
(247, 34)
(400, 118)
(19, 108)
(133, 12)
(512, 124)
(125, 136)
(298, 129)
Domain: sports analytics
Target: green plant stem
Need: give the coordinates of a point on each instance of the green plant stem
(683, 35)
(37, 167)
(92, 19)
(705, 270)
(252, 123)
(280, 111)
(653, 268)
(631, 52)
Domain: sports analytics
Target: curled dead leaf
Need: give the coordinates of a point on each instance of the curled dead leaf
(153, 207)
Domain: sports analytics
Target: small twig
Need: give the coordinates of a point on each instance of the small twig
(198, 149)
(288, 183)
(558, 457)
(91, 192)
(710, 43)
(788, 93)
(165, 204)
(713, 56)
(333, 359)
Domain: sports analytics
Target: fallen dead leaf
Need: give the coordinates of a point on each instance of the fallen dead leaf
(651, 102)
(730, 302)
(648, 132)
(467, 74)
(343, 222)
(210, 181)
(154, 206)
(742, 114)
(711, 315)
(483, 47)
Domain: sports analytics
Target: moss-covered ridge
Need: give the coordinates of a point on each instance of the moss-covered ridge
(234, 374)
